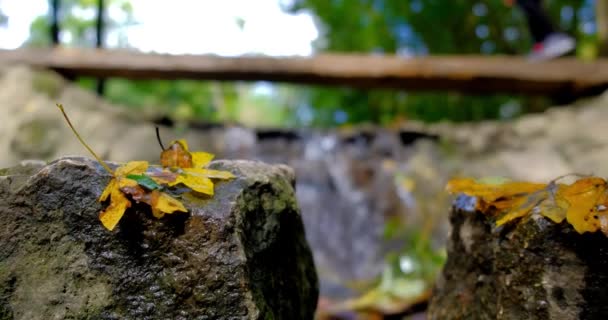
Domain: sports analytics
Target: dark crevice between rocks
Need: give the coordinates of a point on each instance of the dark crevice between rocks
(272, 134)
(408, 138)
(410, 312)
(194, 124)
(363, 137)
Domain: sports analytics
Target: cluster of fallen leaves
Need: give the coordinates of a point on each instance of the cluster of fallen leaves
(582, 203)
(135, 180)
(138, 181)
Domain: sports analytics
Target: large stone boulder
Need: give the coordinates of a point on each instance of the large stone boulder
(239, 255)
(532, 270)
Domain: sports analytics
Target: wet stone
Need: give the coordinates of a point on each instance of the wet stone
(533, 269)
(239, 255)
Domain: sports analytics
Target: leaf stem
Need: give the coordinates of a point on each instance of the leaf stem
(103, 164)
(159, 140)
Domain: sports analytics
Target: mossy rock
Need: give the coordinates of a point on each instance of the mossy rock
(241, 254)
(530, 269)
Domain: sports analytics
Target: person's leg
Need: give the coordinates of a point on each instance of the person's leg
(539, 23)
(549, 42)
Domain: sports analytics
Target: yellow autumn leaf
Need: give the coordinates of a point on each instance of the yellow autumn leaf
(584, 196)
(114, 212)
(176, 155)
(199, 179)
(123, 183)
(208, 173)
(584, 203)
(197, 183)
(166, 204)
(201, 159)
(108, 190)
(132, 167)
(492, 192)
(118, 201)
(183, 143)
(521, 206)
(511, 199)
(578, 216)
(188, 168)
(555, 208)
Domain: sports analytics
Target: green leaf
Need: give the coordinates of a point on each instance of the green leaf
(144, 181)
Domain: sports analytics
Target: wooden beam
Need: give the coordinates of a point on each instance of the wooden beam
(476, 74)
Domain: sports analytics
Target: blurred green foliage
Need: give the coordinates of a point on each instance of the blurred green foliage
(77, 19)
(407, 28)
(421, 27)
(179, 99)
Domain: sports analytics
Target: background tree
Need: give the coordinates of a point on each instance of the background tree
(406, 28)
(602, 25)
(421, 27)
(77, 22)
(179, 100)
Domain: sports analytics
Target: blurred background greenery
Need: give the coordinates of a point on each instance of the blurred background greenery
(406, 28)
(422, 27)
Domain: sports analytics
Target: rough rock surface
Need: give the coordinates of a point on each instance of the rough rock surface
(534, 269)
(239, 255)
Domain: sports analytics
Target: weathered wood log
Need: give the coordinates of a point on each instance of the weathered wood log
(476, 74)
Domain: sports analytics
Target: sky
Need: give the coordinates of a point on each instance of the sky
(191, 26)
(20, 18)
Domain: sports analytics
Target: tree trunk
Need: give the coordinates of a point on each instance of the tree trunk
(55, 4)
(99, 39)
(602, 25)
